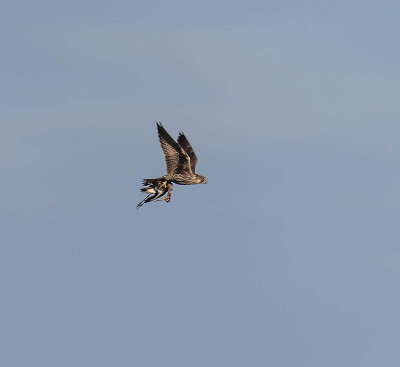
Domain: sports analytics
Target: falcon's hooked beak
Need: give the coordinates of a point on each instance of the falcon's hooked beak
(205, 181)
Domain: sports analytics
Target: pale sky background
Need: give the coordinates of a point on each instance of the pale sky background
(288, 257)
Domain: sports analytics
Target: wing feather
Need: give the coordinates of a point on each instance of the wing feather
(184, 143)
(176, 158)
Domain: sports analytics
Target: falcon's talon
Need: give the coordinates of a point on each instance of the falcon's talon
(167, 199)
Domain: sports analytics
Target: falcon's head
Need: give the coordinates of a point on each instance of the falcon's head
(201, 179)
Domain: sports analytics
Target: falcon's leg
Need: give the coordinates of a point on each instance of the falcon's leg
(170, 187)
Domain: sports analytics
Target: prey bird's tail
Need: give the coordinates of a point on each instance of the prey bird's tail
(146, 200)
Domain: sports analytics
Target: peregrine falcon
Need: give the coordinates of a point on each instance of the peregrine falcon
(181, 162)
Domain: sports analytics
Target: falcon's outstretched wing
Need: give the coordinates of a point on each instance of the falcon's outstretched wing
(178, 161)
(184, 143)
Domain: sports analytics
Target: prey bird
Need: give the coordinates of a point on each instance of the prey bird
(155, 191)
(181, 163)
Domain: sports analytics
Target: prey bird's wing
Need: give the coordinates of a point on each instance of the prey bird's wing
(184, 143)
(178, 161)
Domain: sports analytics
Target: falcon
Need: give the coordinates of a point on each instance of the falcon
(181, 161)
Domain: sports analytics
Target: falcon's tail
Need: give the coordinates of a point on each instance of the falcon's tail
(154, 181)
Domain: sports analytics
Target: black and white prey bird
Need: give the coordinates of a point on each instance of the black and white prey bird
(156, 190)
(181, 162)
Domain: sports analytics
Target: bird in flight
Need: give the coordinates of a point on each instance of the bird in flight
(181, 163)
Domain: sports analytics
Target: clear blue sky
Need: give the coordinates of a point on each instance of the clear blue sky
(288, 257)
